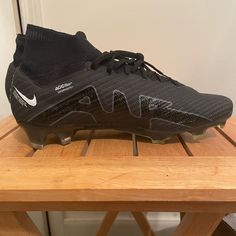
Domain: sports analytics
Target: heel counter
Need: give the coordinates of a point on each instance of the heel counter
(9, 80)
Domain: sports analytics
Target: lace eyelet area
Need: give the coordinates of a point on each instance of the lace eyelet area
(129, 63)
(89, 67)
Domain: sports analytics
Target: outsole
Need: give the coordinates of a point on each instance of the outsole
(38, 135)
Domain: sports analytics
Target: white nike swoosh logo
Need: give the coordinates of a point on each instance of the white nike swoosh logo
(32, 102)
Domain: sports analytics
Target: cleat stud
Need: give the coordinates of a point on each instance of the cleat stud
(37, 146)
(222, 125)
(160, 141)
(65, 136)
(65, 141)
(198, 135)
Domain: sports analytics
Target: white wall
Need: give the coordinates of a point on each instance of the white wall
(7, 48)
(192, 41)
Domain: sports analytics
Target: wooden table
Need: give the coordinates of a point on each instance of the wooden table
(98, 172)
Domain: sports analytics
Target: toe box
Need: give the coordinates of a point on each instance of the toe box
(217, 107)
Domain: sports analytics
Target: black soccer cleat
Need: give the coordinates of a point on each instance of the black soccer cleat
(63, 84)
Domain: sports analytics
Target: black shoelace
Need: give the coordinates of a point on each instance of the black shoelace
(130, 63)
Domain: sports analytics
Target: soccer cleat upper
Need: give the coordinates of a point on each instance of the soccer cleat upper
(63, 81)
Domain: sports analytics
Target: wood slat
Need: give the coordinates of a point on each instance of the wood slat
(16, 143)
(149, 178)
(229, 131)
(143, 223)
(76, 148)
(13, 140)
(97, 205)
(224, 229)
(212, 144)
(110, 143)
(17, 223)
(172, 147)
(230, 128)
(107, 223)
(7, 125)
(197, 224)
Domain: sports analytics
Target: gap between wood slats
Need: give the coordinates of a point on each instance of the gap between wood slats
(86, 145)
(9, 132)
(185, 146)
(135, 145)
(93, 135)
(228, 138)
